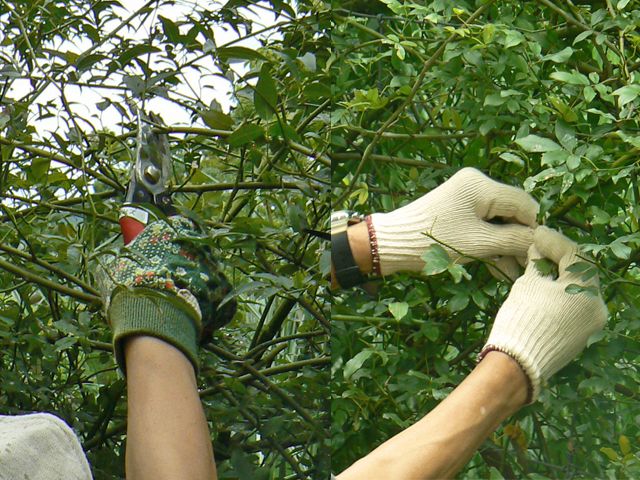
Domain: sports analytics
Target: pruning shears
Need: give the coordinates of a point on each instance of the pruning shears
(148, 189)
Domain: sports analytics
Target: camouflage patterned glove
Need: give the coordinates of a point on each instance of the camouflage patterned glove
(165, 284)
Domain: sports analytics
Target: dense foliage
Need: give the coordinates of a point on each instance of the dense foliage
(543, 95)
(258, 177)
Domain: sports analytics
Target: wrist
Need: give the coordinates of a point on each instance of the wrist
(358, 236)
(353, 250)
(506, 378)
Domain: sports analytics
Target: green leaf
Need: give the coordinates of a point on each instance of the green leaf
(586, 269)
(243, 465)
(625, 444)
(238, 54)
(135, 52)
(510, 93)
(245, 134)
(600, 217)
(620, 250)
(554, 158)
(265, 96)
(135, 84)
(399, 309)
(480, 299)
(102, 106)
(546, 266)
(369, 99)
(217, 119)
(355, 363)
(627, 94)
(494, 474)
(39, 169)
(512, 158)
(512, 38)
(458, 302)
(170, 29)
(582, 36)
(610, 453)
(317, 90)
(436, 260)
(308, 61)
(487, 126)
(536, 144)
(588, 93)
(573, 162)
(573, 78)
(284, 131)
(633, 140)
(559, 57)
(86, 62)
(457, 272)
(567, 182)
(297, 218)
(65, 342)
(494, 100)
(566, 135)
(395, 418)
(84, 319)
(596, 337)
(430, 331)
(9, 71)
(574, 289)
(488, 32)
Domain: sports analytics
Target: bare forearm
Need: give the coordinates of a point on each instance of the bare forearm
(442, 442)
(167, 435)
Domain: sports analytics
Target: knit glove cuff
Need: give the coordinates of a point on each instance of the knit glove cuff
(457, 215)
(143, 311)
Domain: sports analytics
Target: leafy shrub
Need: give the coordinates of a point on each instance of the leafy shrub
(257, 176)
(543, 95)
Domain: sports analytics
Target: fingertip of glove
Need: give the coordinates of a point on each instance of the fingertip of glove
(517, 235)
(530, 210)
(470, 172)
(508, 268)
(552, 244)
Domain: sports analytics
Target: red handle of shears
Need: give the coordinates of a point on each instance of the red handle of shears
(132, 221)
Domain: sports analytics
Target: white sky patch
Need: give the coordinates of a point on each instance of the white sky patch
(205, 85)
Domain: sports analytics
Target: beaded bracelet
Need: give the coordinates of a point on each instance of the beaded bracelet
(373, 243)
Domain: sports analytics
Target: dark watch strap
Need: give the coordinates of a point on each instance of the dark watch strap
(347, 272)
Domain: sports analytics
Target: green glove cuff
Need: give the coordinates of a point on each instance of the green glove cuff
(148, 312)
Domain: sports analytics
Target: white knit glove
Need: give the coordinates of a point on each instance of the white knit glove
(540, 325)
(456, 214)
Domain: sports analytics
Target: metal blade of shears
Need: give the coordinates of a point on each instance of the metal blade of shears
(148, 189)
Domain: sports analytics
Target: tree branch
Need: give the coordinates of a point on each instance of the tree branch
(37, 279)
(57, 270)
(59, 158)
(212, 187)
